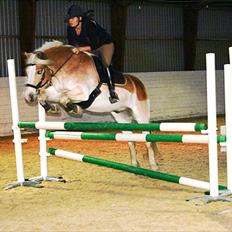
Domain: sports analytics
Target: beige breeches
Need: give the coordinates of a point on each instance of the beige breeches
(107, 51)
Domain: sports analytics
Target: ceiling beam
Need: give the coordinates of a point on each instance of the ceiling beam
(190, 22)
(27, 15)
(196, 4)
(118, 31)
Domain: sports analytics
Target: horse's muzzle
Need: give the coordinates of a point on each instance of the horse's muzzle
(31, 99)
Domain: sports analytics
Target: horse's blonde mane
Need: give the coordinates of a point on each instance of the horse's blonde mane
(50, 44)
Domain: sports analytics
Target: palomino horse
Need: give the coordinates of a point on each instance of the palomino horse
(57, 77)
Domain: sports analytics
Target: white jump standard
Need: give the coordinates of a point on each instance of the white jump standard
(16, 130)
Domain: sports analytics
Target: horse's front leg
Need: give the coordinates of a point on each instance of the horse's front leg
(70, 107)
(51, 109)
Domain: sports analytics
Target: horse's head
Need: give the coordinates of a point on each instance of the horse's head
(38, 75)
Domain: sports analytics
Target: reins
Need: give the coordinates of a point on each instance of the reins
(54, 73)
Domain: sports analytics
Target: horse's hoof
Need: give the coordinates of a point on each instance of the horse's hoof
(76, 111)
(136, 164)
(154, 167)
(54, 110)
(52, 113)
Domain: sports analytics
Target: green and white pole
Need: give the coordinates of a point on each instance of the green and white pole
(90, 126)
(132, 137)
(127, 168)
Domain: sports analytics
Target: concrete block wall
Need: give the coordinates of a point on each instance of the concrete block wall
(172, 95)
(180, 94)
(26, 112)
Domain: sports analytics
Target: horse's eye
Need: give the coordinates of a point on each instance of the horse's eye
(39, 72)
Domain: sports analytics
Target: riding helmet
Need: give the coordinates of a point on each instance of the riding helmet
(74, 11)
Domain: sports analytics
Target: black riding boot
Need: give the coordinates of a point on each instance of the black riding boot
(113, 95)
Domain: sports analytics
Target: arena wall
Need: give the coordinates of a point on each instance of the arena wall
(173, 95)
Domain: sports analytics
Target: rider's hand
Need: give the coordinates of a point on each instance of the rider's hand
(76, 50)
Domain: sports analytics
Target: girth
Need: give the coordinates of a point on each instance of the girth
(92, 97)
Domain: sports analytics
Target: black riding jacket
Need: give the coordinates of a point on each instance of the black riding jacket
(92, 34)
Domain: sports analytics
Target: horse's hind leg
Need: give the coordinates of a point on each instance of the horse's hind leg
(141, 113)
(152, 151)
(125, 117)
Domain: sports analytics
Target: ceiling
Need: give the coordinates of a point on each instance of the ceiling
(197, 4)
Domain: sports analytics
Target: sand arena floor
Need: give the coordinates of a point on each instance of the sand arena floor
(98, 199)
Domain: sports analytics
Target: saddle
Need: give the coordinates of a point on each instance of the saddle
(116, 76)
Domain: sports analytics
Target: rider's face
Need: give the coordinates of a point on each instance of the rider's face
(73, 22)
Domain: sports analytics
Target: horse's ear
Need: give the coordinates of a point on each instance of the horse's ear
(27, 55)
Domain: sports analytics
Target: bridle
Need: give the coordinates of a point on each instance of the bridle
(40, 83)
(46, 83)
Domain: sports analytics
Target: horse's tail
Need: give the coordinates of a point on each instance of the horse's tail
(138, 88)
(141, 103)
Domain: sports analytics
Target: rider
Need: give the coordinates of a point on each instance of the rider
(87, 35)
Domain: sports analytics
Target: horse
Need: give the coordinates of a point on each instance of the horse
(56, 77)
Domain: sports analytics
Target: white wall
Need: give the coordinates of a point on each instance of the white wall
(172, 94)
(180, 94)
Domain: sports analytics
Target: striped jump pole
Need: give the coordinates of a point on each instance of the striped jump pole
(87, 126)
(132, 137)
(127, 168)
